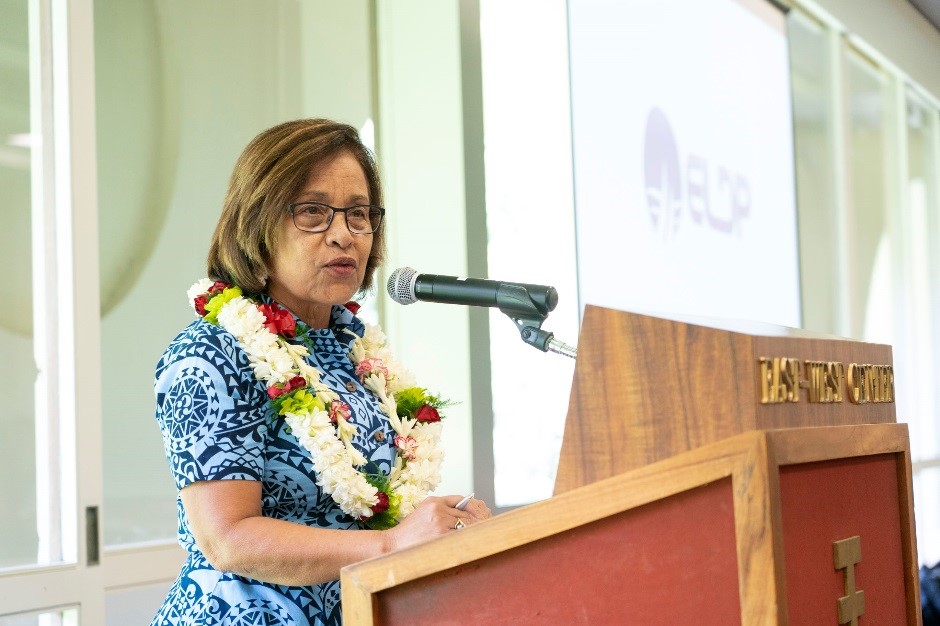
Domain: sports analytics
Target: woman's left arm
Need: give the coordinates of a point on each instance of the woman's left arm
(226, 522)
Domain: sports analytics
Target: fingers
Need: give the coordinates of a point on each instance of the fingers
(442, 513)
(432, 518)
(450, 501)
(475, 507)
(478, 510)
(474, 511)
(437, 516)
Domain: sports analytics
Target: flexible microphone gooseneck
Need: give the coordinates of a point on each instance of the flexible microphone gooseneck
(528, 305)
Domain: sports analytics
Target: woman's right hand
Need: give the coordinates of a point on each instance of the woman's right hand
(435, 517)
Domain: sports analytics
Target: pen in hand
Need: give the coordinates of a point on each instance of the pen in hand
(463, 503)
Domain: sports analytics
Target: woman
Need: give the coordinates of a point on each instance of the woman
(298, 444)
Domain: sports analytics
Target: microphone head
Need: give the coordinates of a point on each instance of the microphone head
(401, 285)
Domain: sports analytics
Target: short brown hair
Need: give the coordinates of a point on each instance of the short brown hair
(269, 175)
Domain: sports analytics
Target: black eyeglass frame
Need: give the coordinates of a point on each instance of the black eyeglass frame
(333, 211)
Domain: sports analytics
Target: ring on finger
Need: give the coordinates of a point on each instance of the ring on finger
(459, 524)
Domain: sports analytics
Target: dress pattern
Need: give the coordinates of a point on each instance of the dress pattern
(217, 424)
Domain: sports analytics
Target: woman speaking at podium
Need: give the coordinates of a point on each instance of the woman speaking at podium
(298, 443)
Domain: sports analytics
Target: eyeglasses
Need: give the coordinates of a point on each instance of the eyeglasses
(316, 217)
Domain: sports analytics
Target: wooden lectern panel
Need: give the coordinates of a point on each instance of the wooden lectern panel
(663, 542)
(647, 388)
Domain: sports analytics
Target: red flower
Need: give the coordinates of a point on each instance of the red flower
(369, 366)
(297, 382)
(427, 414)
(200, 303)
(341, 409)
(277, 320)
(353, 307)
(382, 505)
(407, 445)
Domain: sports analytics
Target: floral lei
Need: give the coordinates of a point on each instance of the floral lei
(320, 420)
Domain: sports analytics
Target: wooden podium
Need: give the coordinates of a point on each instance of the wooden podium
(707, 476)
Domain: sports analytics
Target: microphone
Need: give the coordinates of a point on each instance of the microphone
(527, 305)
(407, 286)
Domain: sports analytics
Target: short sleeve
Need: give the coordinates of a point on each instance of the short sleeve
(211, 410)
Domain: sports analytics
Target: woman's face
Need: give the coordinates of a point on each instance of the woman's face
(311, 272)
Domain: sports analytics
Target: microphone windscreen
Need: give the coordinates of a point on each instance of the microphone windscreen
(401, 285)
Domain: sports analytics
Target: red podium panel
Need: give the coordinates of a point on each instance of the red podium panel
(640, 557)
(834, 500)
(742, 531)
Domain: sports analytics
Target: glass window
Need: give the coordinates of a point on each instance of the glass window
(19, 380)
(138, 142)
(921, 217)
(927, 513)
(530, 220)
(868, 198)
(921, 214)
(59, 617)
(814, 93)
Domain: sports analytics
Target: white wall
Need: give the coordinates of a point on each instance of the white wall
(420, 146)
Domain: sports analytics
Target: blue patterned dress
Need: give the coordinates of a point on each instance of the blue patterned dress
(217, 425)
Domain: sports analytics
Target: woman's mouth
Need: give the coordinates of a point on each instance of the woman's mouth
(343, 266)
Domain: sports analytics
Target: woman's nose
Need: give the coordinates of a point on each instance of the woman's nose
(338, 230)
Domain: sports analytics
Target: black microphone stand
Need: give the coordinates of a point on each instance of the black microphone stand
(528, 316)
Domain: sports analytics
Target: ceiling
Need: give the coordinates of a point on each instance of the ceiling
(930, 9)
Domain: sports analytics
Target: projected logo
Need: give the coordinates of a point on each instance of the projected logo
(667, 195)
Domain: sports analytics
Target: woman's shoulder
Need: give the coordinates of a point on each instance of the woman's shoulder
(202, 332)
(204, 341)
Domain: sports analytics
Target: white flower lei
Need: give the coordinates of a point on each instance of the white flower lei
(275, 361)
